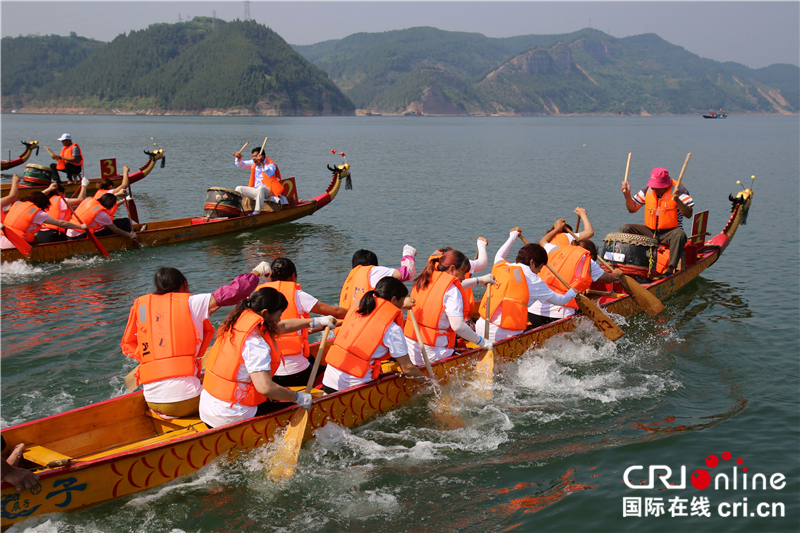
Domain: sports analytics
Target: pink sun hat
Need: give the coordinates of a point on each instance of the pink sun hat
(659, 179)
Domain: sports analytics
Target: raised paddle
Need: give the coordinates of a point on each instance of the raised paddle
(590, 309)
(17, 238)
(263, 145)
(242, 148)
(88, 231)
(628, 166)
(484, 370)
(284, 459)
(647, 301)
(680, 178)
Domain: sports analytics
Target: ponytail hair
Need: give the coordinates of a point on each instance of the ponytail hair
(282, 269)
(267, 299)
(440, 264)
(386, 289)
(532, 252)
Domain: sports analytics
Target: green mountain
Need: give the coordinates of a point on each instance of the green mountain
(203, 65)
(438, 72)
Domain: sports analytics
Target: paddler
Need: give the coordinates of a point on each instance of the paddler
(238, 381)
(366, 274)
(60, 210)
(168, 332)
(475, 265)
(585, 234)
(372, 332)
(106, 186)
(27, 217)
(575, 262)
(12, 195)
(95, 214)
(264, 180)
(295, 368)
(665, 208)
(518, 287)
(439, 307)
(70, 161)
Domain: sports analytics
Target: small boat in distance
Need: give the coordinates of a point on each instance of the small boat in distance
(714, 114)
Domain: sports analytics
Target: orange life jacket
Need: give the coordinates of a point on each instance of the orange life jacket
(467, 296)
(296, 342)
(360, 336)
(273, 183)
(66, 151)
(87, 212)
(561, 239)
(59, 211)
(661, 213)
(225, 358)
(20, 217)
(574, 263)
(428, 308)
(161, 336)
(510, 294)
(99, 194)
(355, 286)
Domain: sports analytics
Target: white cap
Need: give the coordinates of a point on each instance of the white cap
(65, 137)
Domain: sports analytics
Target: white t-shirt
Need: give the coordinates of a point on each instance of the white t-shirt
(38, 219)
(393, 339)
(178, 389)
(102, 218)
(295, 363)
(256, 355)
(268, 169)
(378, 273)
(543, 308)
(453, 306)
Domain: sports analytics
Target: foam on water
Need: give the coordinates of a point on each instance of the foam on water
(35, 404)
(20, 271)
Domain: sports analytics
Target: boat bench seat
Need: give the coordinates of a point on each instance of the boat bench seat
(183, 422)
(390, 367)
(44, 457)
(315, 393)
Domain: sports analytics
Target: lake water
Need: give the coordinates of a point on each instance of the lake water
(716, 372)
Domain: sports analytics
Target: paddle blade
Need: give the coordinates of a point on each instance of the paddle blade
(130, 380)
(283, 461)
(19, 242)
(484, 372)
(646, 300)
(133, 213)
(97, 244)
(601, 320)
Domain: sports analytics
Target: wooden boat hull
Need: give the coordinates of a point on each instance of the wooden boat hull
(157, 155)
(178, 230)
(29, 147)
(146, 452)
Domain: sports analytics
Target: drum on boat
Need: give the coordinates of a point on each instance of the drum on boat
(36, 175)
(223, 203)
(635, 255)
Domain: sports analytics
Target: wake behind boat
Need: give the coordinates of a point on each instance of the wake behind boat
(114, 448)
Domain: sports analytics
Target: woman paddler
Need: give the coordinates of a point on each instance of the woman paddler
(60, 210)
(371, 333)
(27, 217)
(238, 382)
(365, 274)
(439, 307)
(295, 368)
(518, 287)
(475, 265)
(106, 186)
(168, 332)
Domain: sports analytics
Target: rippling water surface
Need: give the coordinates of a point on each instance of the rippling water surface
(717, 371)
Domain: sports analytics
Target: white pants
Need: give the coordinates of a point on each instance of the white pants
(496, 334)
(259, 194)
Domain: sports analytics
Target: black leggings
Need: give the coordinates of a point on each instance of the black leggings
(122, 223)
(295, 380)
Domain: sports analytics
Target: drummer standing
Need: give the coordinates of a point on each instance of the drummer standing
(665, 209)
(70, 161)
(264, 180)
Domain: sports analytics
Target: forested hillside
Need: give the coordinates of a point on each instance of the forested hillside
(437, 72)
(197, 66)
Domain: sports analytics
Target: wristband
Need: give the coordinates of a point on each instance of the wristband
(296, 396)
(480, 339)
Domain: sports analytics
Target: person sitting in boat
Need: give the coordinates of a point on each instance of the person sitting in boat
(518, 287)
(27, 217)
(563, 236)
(95, 214)
(665, 208)
(238, 382)
(295, 367)
(372, 332)
(366, 274)
(60, 210)
(475, 265)
(264, 181)
(106, 186)
(11, 197)
(168, 332)
(439, 307)
(569, 258)
(70, 161)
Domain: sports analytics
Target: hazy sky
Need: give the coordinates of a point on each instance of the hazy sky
(756, 34)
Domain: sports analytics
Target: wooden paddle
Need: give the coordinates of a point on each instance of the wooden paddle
(680, 178)
(88, 231)
(130, 206)
(628, 166)
(590, 309)
(242, 148)
(284, 459)
(646, 300)
(484, 370)
(17, 238)
(450, 419)
(263, 145)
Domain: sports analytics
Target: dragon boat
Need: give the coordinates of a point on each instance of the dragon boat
(30, 146)
(184, 229)
(156, 155)
(116, 447)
